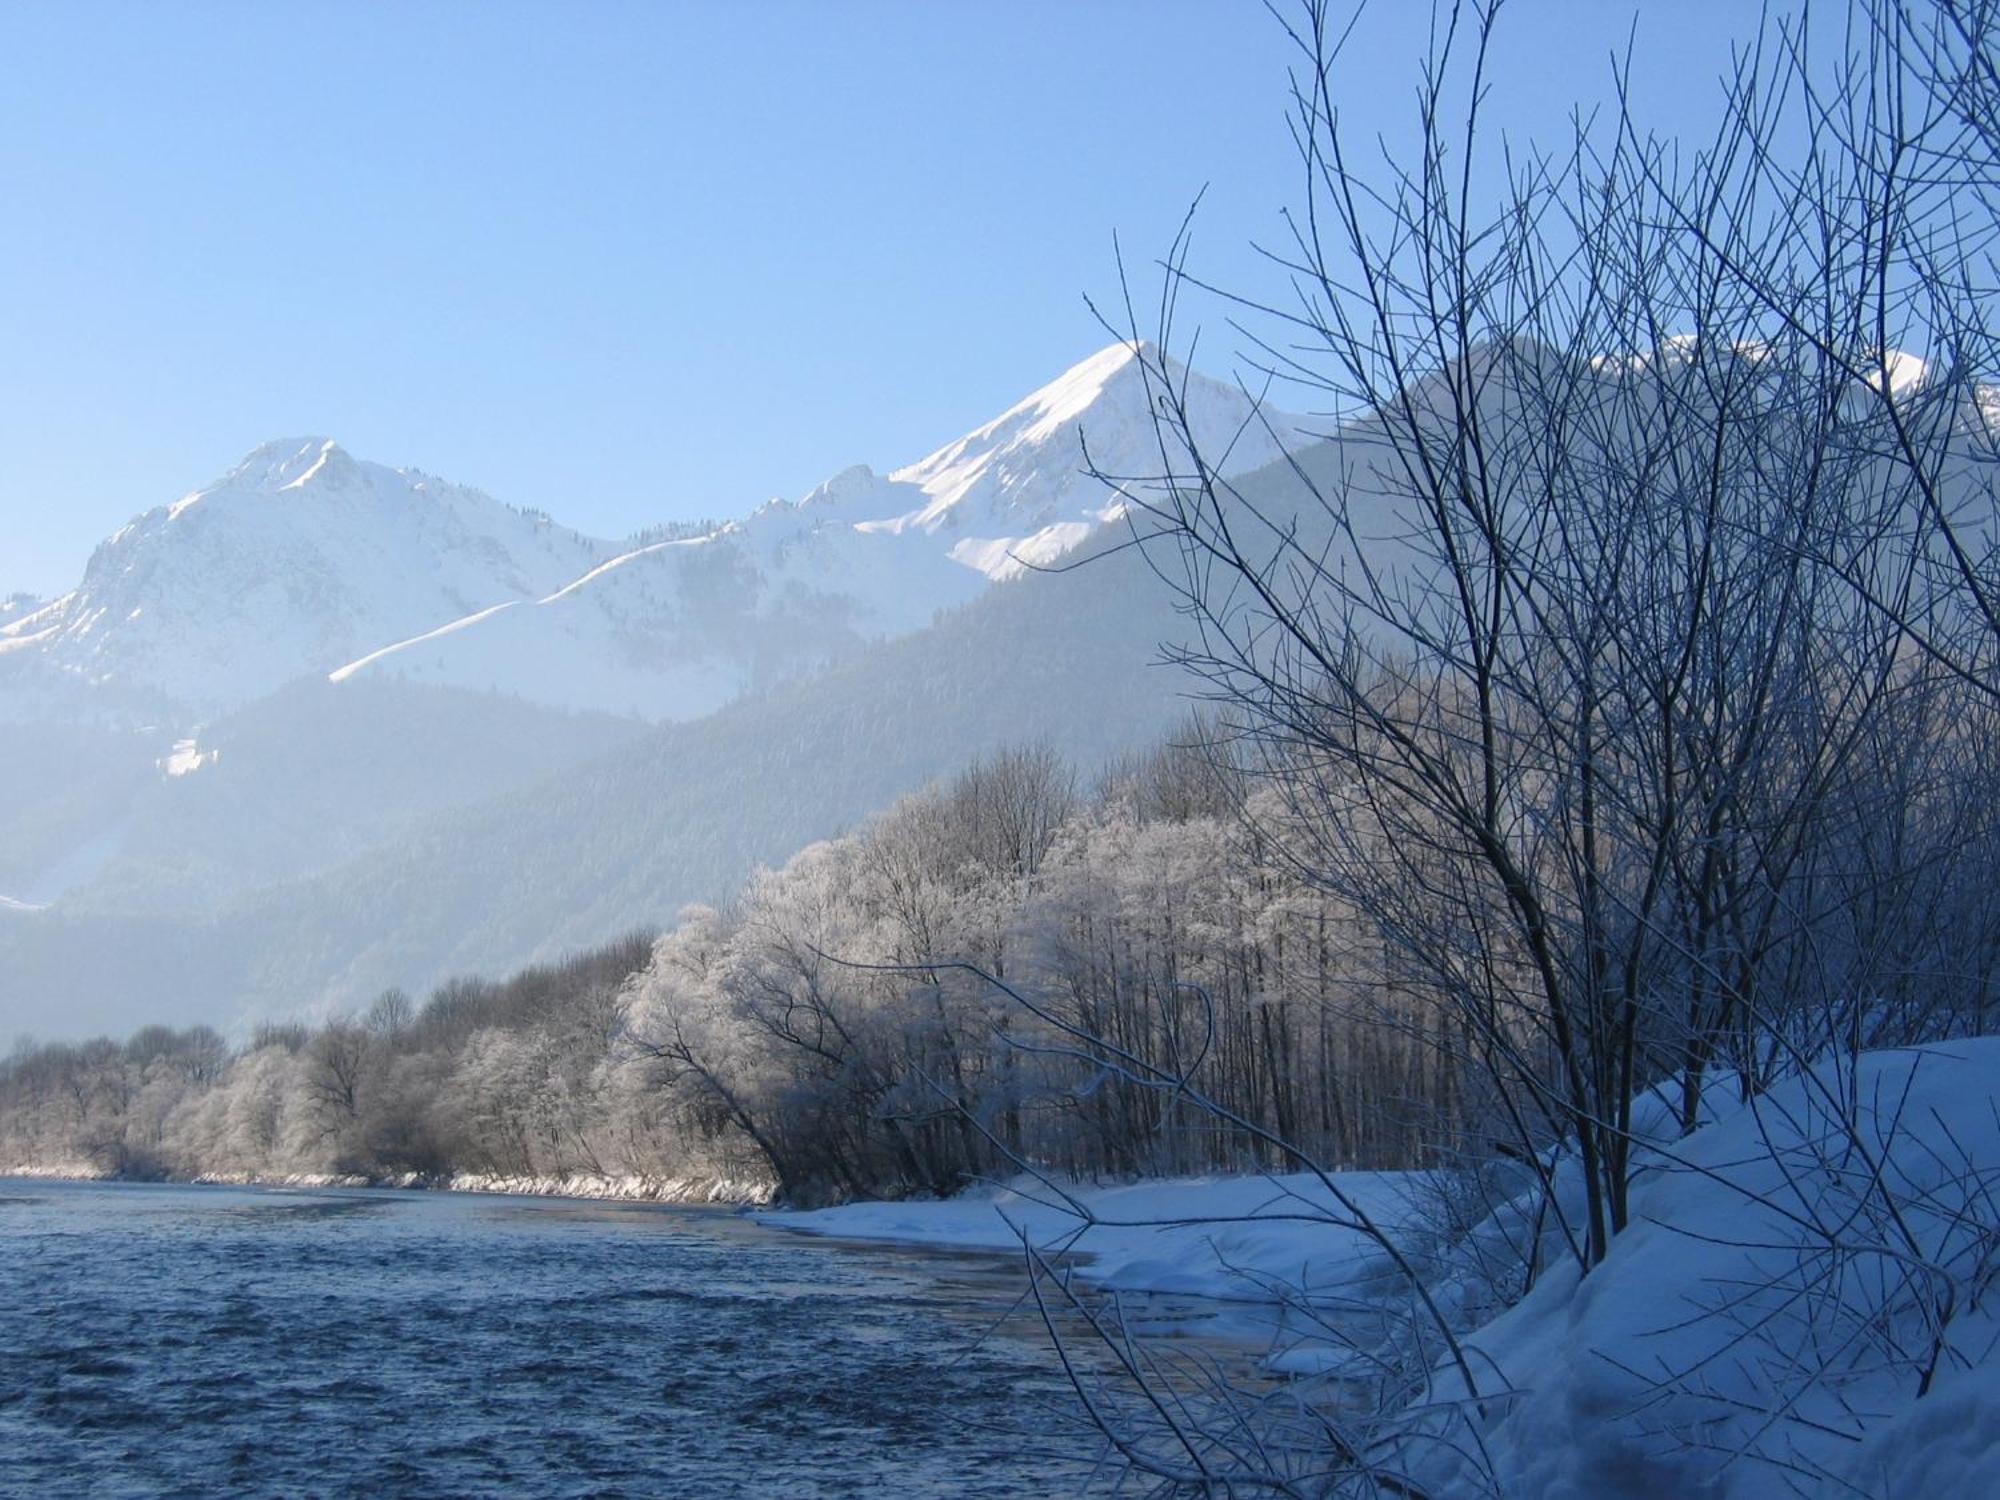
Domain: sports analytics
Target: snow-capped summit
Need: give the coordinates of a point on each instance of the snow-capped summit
(292, 464)
(855, 483)
(304, 560)
(298, 559)
(1104, 400)
(1017, 492)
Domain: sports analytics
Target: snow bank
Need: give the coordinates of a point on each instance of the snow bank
(633, 1189)
(291, 1180)
(1804, 1301)
(1231, 1238)
(1795, 1307)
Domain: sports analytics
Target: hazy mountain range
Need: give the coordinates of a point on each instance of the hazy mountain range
(324, 726)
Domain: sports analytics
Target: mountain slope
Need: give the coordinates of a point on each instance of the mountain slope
(1018, 491)
(679, 815)
(311, 777)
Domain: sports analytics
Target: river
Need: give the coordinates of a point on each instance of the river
(170, 1340)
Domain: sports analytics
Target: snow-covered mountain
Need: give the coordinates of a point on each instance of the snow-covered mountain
(1017, 494)
(675, 629)
(324, 724)
(303, 560)
(297, 559)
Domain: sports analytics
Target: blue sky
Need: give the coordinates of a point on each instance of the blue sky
(634, 262)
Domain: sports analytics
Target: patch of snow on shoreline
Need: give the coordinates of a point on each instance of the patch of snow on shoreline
(1228, 1238)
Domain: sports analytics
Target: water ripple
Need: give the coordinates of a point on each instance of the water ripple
(181, 1341)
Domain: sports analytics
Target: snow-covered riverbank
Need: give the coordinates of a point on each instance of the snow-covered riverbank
(1231, 1238)
(1806, 1287)
(1804, 1300)
(1270, 1266)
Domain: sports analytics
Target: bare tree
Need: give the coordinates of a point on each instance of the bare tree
(390, 1015)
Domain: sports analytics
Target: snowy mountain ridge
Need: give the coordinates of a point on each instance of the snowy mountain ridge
(300, 554)
(673, 630)
(304, 560)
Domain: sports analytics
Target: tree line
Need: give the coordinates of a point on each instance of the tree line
(996, 973)
(810, 1035)
(484, 1077)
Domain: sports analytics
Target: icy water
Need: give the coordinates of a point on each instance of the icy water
(192, 1341)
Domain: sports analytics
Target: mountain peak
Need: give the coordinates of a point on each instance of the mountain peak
(1078, 388)
(853, 482)
(296, 560)
(293, 464)
(305, 560)
(1020, 489)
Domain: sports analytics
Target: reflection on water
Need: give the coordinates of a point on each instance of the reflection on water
(178, 1340)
